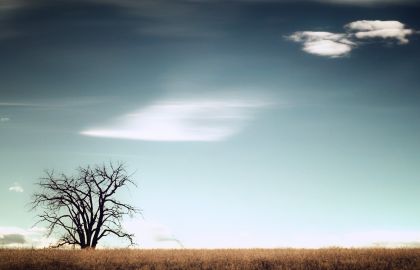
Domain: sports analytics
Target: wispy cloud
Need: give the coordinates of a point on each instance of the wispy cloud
(16, 188)
(341, 44)
(49, 103)
(161, 233)
(4, 119)
(181, 120)
(19, 104)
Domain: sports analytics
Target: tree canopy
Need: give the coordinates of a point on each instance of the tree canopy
(84, 208)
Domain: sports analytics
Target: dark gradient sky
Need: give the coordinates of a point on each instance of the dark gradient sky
(252, 126)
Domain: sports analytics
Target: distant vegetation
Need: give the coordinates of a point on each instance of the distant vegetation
(130, 259)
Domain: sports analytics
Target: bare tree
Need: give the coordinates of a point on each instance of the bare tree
(83, 209)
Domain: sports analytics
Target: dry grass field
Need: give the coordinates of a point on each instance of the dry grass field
(333, 258)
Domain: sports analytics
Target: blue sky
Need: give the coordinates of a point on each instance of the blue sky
(247, 123)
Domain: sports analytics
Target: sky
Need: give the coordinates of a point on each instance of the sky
(246, 123)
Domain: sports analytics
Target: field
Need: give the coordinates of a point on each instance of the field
(332, 258)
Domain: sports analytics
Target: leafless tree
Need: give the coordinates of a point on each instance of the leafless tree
(83, 209)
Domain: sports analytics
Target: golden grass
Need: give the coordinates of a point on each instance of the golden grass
(302, 259)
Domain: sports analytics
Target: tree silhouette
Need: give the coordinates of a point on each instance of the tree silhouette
(83, 209)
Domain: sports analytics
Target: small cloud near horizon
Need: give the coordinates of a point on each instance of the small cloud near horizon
(18, 237)
(152, 234)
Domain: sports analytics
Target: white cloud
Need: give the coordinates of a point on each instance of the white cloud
(4, 119)
(324, 43)
(16, 188)
(340, 44)
(380, 29)
(181, 120)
